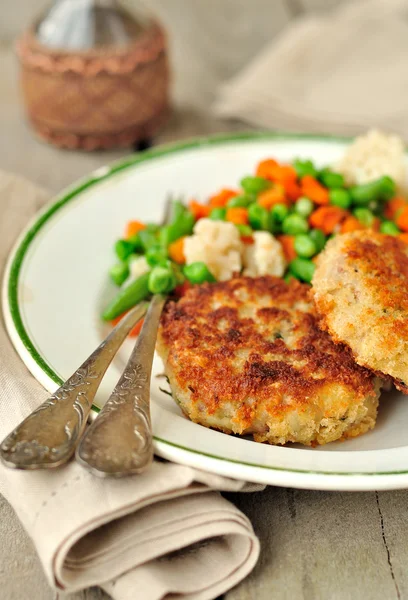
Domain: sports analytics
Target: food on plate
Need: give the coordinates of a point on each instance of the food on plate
(373, 155)
(246, 356)
(360, 289)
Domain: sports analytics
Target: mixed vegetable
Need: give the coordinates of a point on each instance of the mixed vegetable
(300, 205)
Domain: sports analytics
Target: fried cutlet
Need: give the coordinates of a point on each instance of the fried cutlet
(360, 289)
(246, 356)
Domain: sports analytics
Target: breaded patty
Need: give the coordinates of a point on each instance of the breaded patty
(360, 289)
(246, 356)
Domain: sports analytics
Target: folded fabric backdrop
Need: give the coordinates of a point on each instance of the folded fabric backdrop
(342, 72)
(164, 533)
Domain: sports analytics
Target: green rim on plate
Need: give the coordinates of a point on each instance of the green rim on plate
(101, 175)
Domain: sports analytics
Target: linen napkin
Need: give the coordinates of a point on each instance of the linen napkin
(163, 534)
(341, 72)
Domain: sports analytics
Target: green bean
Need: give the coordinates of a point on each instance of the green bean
(242, 200)
(389, 228)
(181, 226)
(147, 239)
(119, 273)
(294, 224)
(136, 243)
(304, 167)
(128, 296)
(339, 197)
(304, 206)
(302, 269)
(218, 214)
(198, 272)
(162, 280)
(380, 189)
(254, 185)
(123, 249)
(331, 179)
(279, 212)
(318, 238)
(305, 246)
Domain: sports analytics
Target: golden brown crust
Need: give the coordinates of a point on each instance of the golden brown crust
(251, 348)
(360, 289)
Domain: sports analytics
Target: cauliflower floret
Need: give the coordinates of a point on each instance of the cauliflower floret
(218, 245)
(138, 266)
(373, 155)
(264, 257)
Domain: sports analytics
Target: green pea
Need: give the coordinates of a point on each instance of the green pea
(161, 280)
(260, 218)
(119, 273)
(218, 214)
(123, 249)
(302, 269)
(331, 179)
(198, 272)
(136, 243)
(156, 255)
(294, 224)
(304, 167)
(389, 228)
(365, 216)
(279, 212)
(340, 197)
(380, 189)
(244, 230)
(254, 185)
(241, 201)
(305, 246)
(304, 206)
(318, 238)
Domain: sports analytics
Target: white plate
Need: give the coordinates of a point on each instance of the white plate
(56, 285)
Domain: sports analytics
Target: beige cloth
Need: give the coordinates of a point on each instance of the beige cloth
(341, 72)
(162, 534)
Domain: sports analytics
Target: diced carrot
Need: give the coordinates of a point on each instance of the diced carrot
(132, 228)
(393, 206)
(221, 199)
(176, 251)
(288, 246)
(403, 237)
(248, 240)
(265, 167)
(327, 217)
(314, 190)
(137, 329)
(351, 224)
(293, 190)
(271, 196)
(402, 219)
(199, 210)
(237, 215)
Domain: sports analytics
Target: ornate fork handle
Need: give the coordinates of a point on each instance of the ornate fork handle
(119, 441)
(48, 437)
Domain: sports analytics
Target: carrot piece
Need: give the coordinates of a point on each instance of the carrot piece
(351, 224)
(137, 329)
(402, 219)
(393, 206)
(327, 217)
(248, 240)
(274, 195)
(199, 210)
(293, 190)
(176, 251)
(288, 246)
(132, 228)
(314, 190)
(237, 215)
(265, 167)
(403, 237)
(219, 200)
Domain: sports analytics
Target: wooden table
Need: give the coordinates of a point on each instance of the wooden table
(315, 545)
